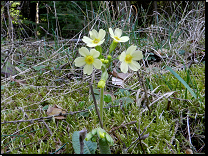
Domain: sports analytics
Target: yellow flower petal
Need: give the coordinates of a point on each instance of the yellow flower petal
(134, 66)
(118, 32)
(79, 61)
(122, 56)
(137, 55)
(93, 34)
(94, 53)
(84, 51)
(111, 32)
(101, 34)
(88, 69)
(87, 40)
(124, 67)
(124, 39)
(130, 49)
(97, 64)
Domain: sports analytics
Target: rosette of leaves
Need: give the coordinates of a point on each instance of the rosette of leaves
(104, 139)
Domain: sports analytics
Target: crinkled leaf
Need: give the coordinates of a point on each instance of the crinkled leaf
(109, 139)
(86, 114)
(89, 146)
(104, 147)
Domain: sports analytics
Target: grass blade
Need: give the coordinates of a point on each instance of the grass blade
(182, 81)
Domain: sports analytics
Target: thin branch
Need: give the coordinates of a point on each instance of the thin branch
(49, 130)
(140, 141)
(145, 91)
(49, 117)
(122, 125)
(93, 96)
(82, 135)
(140, 134)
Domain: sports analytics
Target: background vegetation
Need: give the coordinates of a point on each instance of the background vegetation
(39, 42)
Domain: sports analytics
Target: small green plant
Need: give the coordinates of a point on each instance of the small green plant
(94, 58)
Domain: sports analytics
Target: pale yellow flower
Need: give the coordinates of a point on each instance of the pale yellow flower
(89, 60)
(116, 35)
(95, 39)
(129, 59)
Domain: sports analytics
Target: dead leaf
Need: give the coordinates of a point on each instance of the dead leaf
(122, 76)
(57, 106)
(117, 81)
(55, 110)
(119, 78)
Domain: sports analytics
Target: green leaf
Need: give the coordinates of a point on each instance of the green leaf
(38, 67)
(107, 98)
(104, 147)
(89, 146)
(182, 81)
(123, 92)
(96, 91)
(181, 52)
(126, 101)
(45, 107)
(109, 139)
(86, 114)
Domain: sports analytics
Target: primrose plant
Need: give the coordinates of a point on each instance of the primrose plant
(94, 58)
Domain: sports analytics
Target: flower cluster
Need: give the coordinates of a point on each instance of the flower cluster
(91, 59)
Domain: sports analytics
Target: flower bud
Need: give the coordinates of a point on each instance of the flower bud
(106, 61)
(102, 135)
(101, 84)
(109, 57)
(102, 60)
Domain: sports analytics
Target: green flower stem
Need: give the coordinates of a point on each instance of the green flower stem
(101, 103)
(113, 46)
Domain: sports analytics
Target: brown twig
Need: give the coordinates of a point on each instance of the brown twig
(140, 141)
(49, 117)
(49, 130)
(82, 135)
(145, 91)
(122, 125)
(93, 96)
